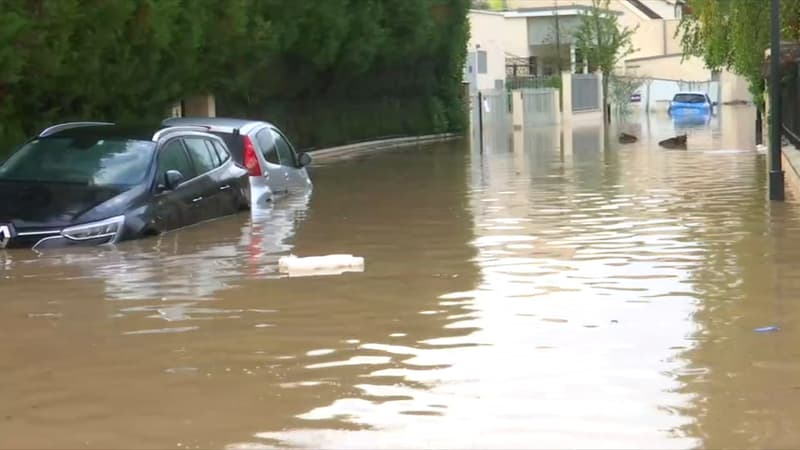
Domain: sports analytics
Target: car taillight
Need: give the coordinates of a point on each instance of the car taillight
(250, 158)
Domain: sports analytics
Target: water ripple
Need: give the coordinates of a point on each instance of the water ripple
(556, 290)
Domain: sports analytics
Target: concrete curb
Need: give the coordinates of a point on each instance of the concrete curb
(790, 158)
(382, 144)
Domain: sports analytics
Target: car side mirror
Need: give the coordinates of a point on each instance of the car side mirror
(172, 179)
(305, 159)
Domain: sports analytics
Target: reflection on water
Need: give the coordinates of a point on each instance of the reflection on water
(556, 289)
(193, 263)
(691, 121)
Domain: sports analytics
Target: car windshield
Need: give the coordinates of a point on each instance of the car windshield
(81, 160)
(689, 98)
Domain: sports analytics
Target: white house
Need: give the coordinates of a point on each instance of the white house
(522, 41)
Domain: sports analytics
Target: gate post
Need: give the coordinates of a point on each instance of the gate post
(566, 97)
(517, 106)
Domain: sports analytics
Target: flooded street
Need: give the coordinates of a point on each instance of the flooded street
(550, 291)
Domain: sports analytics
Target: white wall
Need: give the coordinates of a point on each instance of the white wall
(732, 86)
(497, 36)
(670, 67)
(649, 39)
(660, 92)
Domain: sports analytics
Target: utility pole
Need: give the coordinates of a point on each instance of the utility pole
(776, 171)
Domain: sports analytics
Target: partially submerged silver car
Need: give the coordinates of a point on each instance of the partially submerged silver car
(274, 166)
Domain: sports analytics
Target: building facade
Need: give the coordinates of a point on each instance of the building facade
(534, 38)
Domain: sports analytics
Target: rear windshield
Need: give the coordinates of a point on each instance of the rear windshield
(235, 145)
(689, 98)
(83, 160)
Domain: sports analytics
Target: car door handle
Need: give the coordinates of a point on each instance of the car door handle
(196, 199)
(225, 188)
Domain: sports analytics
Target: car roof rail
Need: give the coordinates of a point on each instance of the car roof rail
(177, 128)
(68, 125)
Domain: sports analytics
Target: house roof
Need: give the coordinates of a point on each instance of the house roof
(572, 10)
(645, 9)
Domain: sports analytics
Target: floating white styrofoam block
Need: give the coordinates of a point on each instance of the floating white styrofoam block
(319, 272)
(320, 265)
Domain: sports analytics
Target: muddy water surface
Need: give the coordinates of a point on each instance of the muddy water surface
(550, 291)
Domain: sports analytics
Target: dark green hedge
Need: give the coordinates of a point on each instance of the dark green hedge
(330, 71)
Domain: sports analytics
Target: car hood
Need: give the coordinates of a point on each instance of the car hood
(29, 204)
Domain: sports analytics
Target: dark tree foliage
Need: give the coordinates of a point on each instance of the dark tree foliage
(331, 71)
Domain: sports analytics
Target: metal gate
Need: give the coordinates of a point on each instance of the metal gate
(585, 92)
(491, 117)
(540, 106)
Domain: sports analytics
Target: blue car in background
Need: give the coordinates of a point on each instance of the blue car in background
(690, 103)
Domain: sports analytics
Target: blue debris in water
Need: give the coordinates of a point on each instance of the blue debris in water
(769, 329)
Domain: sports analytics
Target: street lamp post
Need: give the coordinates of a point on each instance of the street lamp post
(776, 171)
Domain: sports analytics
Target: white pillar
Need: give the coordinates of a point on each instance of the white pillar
(566, 98)
(585, 65)
(517, 108)
(571, 58)
(600, 90)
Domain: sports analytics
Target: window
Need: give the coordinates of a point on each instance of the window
(235, 144)
(482, 61)
(221, 152)
(689, 98)
(88, 159)
(173, 157)
(204, 159)
(285, 152)
(214, 154)
(266, 143)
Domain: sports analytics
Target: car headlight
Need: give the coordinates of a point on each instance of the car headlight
(109, 228)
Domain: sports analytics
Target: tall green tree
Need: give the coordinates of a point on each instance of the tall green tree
(734, 35)
(330, 71)
(604, 42)
(730, 35)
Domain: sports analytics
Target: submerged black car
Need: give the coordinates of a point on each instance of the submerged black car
(95, 183)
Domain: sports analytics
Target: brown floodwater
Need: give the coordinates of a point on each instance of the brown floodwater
(550, 291)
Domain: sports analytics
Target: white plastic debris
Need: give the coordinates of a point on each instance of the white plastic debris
(761, 148)
(320, 265)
